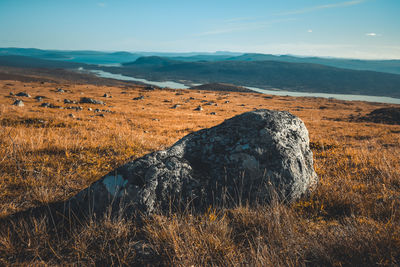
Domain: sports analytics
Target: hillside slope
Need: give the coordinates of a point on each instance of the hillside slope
(266, 74)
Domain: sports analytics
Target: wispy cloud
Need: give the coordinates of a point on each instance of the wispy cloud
(315, 8)
(309, 31)
(237, 25)
(101, 4)
(371, 34)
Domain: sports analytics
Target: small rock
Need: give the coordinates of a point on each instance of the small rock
(39, 99)
(46, 105)
(199, 108)
(138, 98)
(107, 95)
(71, 115)
(175, 106)
(101, 115)
(67, 101)
(60, 90)
(11, 93)
(213, 113)
(23, 94)
(87, 100)
(18, 103)
(90, 109)
(226, 102)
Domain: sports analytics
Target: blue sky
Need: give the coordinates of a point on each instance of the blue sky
(337, 28)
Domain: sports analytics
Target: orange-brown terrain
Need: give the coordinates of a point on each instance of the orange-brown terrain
(47, 155)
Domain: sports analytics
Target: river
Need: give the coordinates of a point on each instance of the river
(176, 85)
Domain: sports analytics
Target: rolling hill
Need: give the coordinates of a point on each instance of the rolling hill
(304, 77)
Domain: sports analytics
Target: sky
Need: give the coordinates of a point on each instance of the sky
(367, 29)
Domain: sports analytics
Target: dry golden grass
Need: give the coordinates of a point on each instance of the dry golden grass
(352, 219)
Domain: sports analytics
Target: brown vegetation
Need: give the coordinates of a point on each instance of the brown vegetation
(352, 219)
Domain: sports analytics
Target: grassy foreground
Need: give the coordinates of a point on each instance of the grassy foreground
(351, 219)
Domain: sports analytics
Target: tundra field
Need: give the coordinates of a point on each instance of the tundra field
(48, 155)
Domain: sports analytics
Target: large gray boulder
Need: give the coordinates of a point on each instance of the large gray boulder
(249, 158)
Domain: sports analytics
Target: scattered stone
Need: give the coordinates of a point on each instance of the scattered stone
(242, 105)
(71, 115)
(90, 109)
(18, 103)
(49, 105)
(101, 115)
(67, 101)
(149, 88)
(209, 104)
(191, 98)
(11, 93)
(167, 101)
(87, 100)
(77, 108)
(213, 113)
(155, 119)
(138, 98)
(199, 108)
(248, 159)
(46, 105)
(23, 94)
(175, 106)
(107, 95)
(96, 110)
(226, 102)
(38, 98)
(60, 90)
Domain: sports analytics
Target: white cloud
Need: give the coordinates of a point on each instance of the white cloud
(310, 31)
(101, 4)
(315, 8)
(371, 34)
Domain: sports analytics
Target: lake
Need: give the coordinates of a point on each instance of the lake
(176, 85)
(169, 84)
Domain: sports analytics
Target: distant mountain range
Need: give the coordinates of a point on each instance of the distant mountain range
(97, 57)
(313, 74)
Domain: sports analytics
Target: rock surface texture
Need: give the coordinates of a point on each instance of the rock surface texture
(246, 159)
